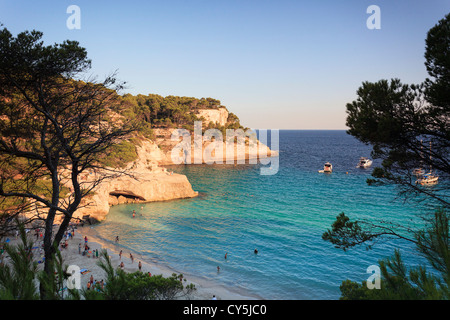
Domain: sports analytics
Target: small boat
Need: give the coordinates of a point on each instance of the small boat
(327, 168)
(364, 162)
(428, 179)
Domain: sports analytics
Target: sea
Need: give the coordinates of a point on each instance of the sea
(282, 215)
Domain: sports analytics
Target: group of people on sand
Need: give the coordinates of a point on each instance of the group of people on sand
(68, 234)
(93, 284)
(86, 251)
(121, 265)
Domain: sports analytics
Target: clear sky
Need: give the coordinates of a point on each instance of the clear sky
(276, 64)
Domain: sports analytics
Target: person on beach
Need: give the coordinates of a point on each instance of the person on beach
(121, 265)
(131, 257)
(79, 248)
(85, 239)
(140, 266)
(120, 255)
(117, 238)
(134, 213)
(96, 253)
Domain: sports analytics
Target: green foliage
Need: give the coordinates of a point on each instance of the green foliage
(53, 283)
(169, 112)
(372, 118)
(407, 125)
(396, 119)
(399, 283)
(437, 62)
(345, 233)
(137, 286)
(17, 277)
(120, 154)
(20, 279)
(433, 243)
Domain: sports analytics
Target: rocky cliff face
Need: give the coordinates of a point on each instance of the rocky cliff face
(144, 181)
(208, 150)
(217, 116)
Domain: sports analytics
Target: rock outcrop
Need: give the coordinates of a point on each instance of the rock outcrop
(209, 147)
(217, 116)
(143, 181)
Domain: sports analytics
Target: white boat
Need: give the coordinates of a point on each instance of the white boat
(428, 179)
(327, 168)
(364, 162)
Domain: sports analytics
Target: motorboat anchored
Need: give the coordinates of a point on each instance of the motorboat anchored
(364, 162)
(428, 179)
(327, 168)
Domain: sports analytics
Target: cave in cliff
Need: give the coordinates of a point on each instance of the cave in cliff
(124, 196)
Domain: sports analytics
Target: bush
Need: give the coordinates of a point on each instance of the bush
(120, 154)
(138, 285)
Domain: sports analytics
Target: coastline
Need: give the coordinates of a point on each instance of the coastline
(206, 289)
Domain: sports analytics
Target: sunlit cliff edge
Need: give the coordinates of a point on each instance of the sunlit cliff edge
(146, 179)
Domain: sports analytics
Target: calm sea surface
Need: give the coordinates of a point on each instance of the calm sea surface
(282, 215)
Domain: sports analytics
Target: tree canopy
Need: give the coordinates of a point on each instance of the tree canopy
(408, 126)
(53, 128)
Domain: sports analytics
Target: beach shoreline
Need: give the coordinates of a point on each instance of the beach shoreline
(206, 289)
(72, 256)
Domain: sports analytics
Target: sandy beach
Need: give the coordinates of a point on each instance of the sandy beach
(71, 256)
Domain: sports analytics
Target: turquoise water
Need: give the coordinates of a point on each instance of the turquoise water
(282, 215)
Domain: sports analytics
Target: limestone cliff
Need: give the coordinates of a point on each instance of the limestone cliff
(217, 116)
(250, 150)
(144, 181)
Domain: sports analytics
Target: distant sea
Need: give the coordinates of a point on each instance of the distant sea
(283, 216)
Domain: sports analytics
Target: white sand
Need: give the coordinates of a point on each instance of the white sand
(205, 289)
